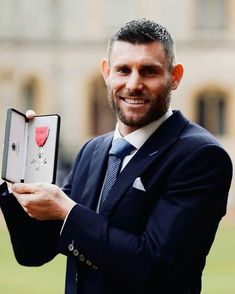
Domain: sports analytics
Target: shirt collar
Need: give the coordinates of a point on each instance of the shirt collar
(140, 136)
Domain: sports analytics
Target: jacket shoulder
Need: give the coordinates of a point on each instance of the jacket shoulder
(198, 135)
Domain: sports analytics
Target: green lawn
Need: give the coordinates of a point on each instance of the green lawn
(16, 279)
(219, 275)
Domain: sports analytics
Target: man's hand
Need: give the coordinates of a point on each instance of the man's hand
(43, 201)
(30, 114)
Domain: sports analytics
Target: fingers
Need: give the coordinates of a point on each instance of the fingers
(24, 193)
(30, 197)
(30, 114)
(21, 188)
(43, 201)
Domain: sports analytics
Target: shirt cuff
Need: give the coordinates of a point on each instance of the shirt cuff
(66, 219)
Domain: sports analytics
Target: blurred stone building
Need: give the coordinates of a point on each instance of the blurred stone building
(50, 53)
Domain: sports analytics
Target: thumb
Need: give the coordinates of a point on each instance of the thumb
(22, 188)
(30, 114)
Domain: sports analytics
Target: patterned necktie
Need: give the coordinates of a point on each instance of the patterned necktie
(120, 148)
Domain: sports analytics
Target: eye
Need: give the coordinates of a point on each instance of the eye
(149, 71)
(123, 70)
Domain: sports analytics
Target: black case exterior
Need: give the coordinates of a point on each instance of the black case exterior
(20, 152)
(6, 144)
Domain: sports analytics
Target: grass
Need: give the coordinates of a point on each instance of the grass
(48, 279)
(219, 274)
(218, 277)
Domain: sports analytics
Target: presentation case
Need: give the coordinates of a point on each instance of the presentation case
(30, 149)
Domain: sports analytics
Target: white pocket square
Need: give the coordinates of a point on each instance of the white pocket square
(138, 184)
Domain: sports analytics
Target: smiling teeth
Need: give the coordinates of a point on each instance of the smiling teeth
(135, 101)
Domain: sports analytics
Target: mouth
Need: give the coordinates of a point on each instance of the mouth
(134, 101)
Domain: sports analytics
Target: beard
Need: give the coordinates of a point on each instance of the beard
(158, 106)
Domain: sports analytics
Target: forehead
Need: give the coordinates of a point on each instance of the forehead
(127, 53)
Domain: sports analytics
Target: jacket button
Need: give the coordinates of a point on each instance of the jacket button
(75, 252)
(81, 257)
(95, 267)
(71, 247)
(88, 262)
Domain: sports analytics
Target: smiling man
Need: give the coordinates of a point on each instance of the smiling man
(139, 80)
(140, 76)
(141, 206)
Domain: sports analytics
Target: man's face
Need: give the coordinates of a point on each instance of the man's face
(139, 83)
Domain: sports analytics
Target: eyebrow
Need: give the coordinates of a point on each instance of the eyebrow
(157, 66)
(119, 65)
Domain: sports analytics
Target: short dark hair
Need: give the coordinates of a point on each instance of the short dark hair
(145, 31)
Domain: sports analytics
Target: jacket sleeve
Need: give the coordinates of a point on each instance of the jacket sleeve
(180, 229)
(34, 242)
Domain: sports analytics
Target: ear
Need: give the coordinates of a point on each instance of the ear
(176, 74)
(105, 68)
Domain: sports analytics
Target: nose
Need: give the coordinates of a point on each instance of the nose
(134, 81)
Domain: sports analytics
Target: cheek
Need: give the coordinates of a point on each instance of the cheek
(116, 83)
(157, 87)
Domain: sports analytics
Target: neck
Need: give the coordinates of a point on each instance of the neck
(124, 129)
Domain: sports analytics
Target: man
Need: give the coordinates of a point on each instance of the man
(149, 228)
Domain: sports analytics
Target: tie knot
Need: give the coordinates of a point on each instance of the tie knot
(121, 148)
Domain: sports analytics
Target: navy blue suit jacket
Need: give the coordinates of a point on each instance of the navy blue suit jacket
(152, 241)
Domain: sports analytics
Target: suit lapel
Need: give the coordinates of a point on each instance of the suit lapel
(96, 173)
(166, 135)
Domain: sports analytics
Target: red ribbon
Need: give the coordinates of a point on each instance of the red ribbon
(41, 135)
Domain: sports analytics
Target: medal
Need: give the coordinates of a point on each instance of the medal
(41, 135)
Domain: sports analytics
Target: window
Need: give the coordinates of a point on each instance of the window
(211, 111)
(211, 14)
(102, 117)
(29, 94)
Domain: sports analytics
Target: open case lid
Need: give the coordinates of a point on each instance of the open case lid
(30, 148)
